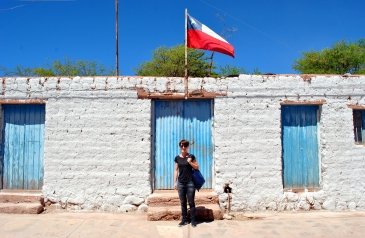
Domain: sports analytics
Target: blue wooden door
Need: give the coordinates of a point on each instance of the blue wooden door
(176, 120)
(23, 146)
(300, 146)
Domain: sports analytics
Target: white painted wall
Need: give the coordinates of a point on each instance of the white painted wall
(98, 145)
(248, 143)
(97, 140)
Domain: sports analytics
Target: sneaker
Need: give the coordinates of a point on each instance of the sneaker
(183, 223)
(193, 224)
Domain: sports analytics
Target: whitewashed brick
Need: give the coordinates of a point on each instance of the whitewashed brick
(97, 138)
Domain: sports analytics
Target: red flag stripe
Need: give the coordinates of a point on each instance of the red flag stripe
(200, 40)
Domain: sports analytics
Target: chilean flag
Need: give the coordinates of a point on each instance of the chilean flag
(201, 37)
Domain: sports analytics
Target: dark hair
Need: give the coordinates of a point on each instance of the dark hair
(184, 142)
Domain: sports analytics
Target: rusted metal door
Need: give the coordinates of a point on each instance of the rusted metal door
(176, 120)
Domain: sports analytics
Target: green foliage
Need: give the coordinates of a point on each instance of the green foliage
(170, 62)
(42, 72)
(228, 70)
(256, 71)
(78, 68)
(21, 71)
(341, 58)
(61, 68)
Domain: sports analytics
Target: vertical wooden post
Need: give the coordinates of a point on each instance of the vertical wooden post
(211, 64)
(186, 55)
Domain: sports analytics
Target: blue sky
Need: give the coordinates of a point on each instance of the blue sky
(267, 34)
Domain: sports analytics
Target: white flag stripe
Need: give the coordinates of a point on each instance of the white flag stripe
(208, 31)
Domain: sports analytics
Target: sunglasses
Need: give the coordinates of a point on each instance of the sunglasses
(186, 146)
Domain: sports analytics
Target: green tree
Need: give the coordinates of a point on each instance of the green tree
(341, 58)
(229, 70)
(61, 68)
(170, 62)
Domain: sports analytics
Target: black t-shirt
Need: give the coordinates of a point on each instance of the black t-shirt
(185, 169)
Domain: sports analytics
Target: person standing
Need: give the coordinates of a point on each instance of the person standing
(183, 182)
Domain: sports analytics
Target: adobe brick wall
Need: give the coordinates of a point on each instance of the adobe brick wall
(98, 144)
(248, 143)
(97, 140)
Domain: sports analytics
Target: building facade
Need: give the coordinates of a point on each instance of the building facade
(281, 142)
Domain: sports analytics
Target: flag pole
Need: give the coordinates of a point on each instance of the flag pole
(186, 54)
(116, 40)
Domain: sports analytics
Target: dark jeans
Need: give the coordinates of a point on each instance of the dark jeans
(187, 194)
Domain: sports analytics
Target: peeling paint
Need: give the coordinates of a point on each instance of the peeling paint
(22, 101)
(304, 102)
(196, 94)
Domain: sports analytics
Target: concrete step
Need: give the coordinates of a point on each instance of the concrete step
(21, 208)
(171, 198)
(204, 212)
(21, 197)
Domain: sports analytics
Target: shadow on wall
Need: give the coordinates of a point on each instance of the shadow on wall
(27, 114)
(190, 109)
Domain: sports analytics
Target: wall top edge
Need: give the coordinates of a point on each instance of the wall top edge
(303, 76)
